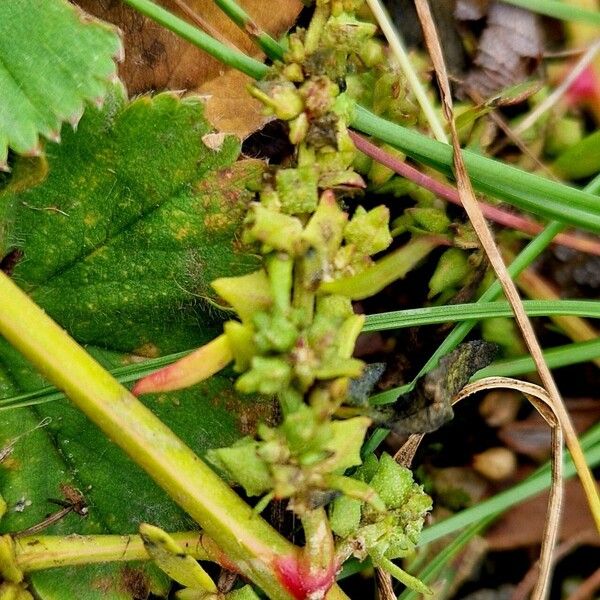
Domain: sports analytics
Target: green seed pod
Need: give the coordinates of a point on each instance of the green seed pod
(369, 231)
(298, 189)
(430, 219)
(452, 270)
(273, 229)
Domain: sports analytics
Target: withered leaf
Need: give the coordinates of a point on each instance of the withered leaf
(156, 59)
(429, 405)
(509, 49)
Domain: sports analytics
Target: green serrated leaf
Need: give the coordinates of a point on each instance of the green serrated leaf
(134, 219)
(53, 58)
(122, 239)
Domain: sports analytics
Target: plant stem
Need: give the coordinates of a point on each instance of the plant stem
(319, 550)
(35, 553)
(244, 21)
(529, 192)
(245, 539)
(560, 356)
(449, 193)
(224, 54)
(390, 268)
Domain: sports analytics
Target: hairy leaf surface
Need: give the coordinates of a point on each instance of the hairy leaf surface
(138, 212)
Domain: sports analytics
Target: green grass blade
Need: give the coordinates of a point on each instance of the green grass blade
(478, 310)
(561, 356)
(242, 19)
(528, 488)
(559, 10)
(529, 192)
(440, 560)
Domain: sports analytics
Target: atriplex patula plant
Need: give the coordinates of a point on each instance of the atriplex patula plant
(291, 335)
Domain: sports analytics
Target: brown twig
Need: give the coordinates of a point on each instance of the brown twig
(449, 193)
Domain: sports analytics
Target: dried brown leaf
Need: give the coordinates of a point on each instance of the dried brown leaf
(156, 59)
(546, 406)
(229, 106)
(509, 49)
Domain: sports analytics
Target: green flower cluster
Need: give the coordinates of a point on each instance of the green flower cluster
(293, 338)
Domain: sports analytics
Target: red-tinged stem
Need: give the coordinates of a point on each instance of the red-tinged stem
(313, 573)
(449, 193)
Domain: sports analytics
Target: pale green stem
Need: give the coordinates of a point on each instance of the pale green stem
(392, 267)
(395, 41)
(35, 553)
(245, 538)
(319, 551)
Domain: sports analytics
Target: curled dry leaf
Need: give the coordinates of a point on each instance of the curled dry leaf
(509, 49)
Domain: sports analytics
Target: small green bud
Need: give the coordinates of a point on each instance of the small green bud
(340, 367)
(451, 271)
(380, 174)
(344, 516)
(268, 375)
(293, 72)
(273, 229)
(372, 53)
(242, 463)
(392, 482)
(298, 189)
(296, 52)
(369, 231)
(430, 219)
(274, 333)
(280, 97)
(246, 294)
(241, 341)
(323, 233)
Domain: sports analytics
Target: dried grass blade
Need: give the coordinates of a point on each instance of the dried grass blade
(545, 406)
(487, 241)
